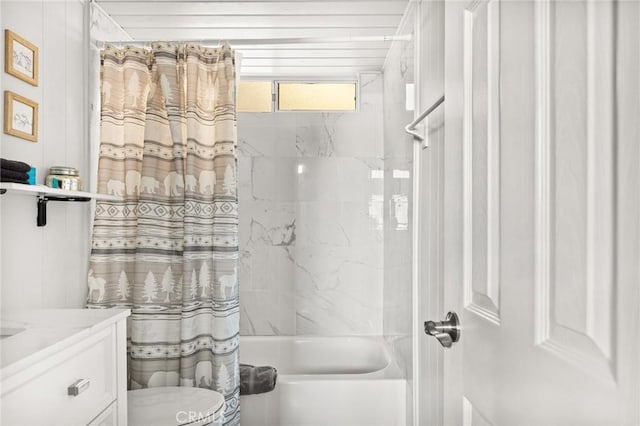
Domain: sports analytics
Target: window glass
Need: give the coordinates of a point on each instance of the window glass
(316, 96)
(254, 96)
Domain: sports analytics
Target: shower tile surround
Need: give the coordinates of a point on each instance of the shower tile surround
(398, 187)
(311, 223)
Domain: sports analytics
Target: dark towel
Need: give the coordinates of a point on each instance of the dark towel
(16, 166)
(257, 379)
(14, 176)
(5, 179)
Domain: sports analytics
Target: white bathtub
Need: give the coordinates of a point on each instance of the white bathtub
(324, 381)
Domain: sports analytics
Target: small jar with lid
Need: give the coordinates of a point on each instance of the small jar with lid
(63, 177)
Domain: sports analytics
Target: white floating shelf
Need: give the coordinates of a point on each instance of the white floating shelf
(45, 194)
(45, 191)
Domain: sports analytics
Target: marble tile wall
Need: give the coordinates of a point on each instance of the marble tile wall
(398, 181)
(311, 189)
(398, 171)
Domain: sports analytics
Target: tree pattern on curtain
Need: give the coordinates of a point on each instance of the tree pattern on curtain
(169, 251)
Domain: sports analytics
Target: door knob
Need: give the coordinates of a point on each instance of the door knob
(447, 332)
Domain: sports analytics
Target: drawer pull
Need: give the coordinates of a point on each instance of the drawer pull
(79, 386)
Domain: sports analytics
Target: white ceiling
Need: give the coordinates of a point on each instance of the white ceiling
(249, 25)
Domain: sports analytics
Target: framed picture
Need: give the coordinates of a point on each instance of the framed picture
(20, 116)
(20, 58)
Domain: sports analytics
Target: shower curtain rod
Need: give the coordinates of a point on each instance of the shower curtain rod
(269, 41)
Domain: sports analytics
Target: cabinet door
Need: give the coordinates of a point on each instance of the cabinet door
(107, 417)
(45, 385)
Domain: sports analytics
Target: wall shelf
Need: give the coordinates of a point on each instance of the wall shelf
(45, 194)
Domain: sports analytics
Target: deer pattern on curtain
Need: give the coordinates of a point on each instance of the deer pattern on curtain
(169, 251)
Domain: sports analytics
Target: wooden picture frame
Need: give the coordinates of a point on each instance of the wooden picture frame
(20, 58)
(20, 116)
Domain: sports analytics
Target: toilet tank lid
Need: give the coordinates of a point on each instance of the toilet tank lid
(172, 406)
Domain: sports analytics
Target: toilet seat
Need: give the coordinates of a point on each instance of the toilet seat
(174, 406)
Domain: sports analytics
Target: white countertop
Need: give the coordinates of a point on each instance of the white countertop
(47, 331)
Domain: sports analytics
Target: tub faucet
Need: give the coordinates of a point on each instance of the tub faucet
(447, 332)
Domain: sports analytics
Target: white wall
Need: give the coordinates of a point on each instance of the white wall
(46, 266)
(311, 237)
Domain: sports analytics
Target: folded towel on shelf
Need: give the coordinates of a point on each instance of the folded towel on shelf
(19, 177)
(16, 166)
(255, 380)
(5, 179)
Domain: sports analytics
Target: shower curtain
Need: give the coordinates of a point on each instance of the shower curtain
(169, 251)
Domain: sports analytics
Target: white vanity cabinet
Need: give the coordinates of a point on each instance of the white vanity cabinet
(64, 367)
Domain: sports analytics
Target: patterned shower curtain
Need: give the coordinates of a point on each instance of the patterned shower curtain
(169, 251)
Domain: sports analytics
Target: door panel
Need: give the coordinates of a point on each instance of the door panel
(541, 219)
(575, 236)
(481, 156)
(471, 416)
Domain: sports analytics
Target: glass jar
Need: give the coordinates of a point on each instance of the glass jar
(63, 177)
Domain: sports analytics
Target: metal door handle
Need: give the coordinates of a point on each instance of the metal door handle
(79, 386)
(447, 332)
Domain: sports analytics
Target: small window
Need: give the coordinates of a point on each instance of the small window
(316, 96)
(254, 96)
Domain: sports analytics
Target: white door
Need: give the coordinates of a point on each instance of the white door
(541, 212)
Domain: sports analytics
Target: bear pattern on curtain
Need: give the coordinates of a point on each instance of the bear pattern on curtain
(169, 251)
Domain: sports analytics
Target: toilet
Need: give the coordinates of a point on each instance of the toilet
(174, 406)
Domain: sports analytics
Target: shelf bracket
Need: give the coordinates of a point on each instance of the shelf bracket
(42, 206)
